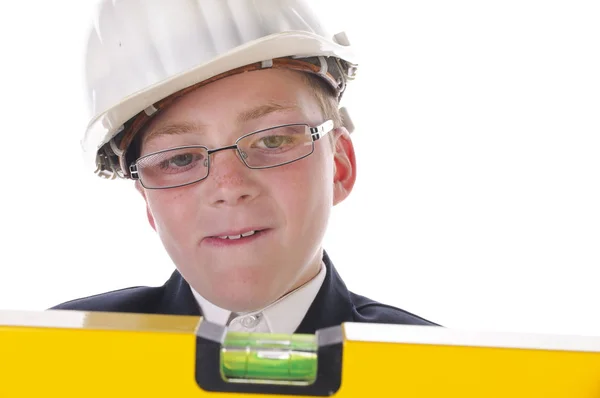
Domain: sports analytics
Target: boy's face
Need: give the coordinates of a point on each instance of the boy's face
(290, 203)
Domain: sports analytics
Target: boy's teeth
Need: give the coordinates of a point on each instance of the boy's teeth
(237, 236)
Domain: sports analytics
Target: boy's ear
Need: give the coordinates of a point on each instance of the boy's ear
(140, 189)
(344, 165)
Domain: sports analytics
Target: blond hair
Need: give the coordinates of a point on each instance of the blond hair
(327, 100)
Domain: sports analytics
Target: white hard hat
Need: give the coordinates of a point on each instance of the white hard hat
(141, 53)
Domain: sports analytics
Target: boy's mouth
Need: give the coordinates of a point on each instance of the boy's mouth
(235, 238)
(243, 235)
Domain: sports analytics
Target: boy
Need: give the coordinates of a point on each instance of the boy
(225, 114)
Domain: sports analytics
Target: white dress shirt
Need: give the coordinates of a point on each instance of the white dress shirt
(282, 316)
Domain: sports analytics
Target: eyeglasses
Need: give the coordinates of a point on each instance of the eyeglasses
(263, 149)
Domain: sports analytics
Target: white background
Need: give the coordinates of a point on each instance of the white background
(478, 191)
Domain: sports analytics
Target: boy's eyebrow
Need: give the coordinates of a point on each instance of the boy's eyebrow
(264, 110)
(175, 128)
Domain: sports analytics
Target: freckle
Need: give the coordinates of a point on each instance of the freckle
(228, 180)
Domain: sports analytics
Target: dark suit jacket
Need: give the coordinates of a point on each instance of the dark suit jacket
(333, 305)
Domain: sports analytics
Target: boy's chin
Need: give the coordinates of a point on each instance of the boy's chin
(243, 288)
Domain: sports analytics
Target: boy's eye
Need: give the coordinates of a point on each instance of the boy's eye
(178, 162)
(275, 141)
(182, 160)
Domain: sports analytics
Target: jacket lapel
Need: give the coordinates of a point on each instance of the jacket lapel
(178, 298)
(332, 305)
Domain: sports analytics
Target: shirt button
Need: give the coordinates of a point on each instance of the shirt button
(250, 321)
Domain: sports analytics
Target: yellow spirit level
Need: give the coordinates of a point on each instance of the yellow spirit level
(94, 354)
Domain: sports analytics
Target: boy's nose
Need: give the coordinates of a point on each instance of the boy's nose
(229, 180)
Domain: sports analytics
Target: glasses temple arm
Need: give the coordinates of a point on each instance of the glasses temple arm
(321, 130)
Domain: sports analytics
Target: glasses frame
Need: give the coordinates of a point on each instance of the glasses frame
(316, 132)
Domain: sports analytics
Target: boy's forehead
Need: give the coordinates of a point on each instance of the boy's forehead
(245, 97)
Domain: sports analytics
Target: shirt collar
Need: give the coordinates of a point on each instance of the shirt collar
(282, 316)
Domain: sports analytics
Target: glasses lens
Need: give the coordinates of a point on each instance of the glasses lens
(174, 167)
(276, 146)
